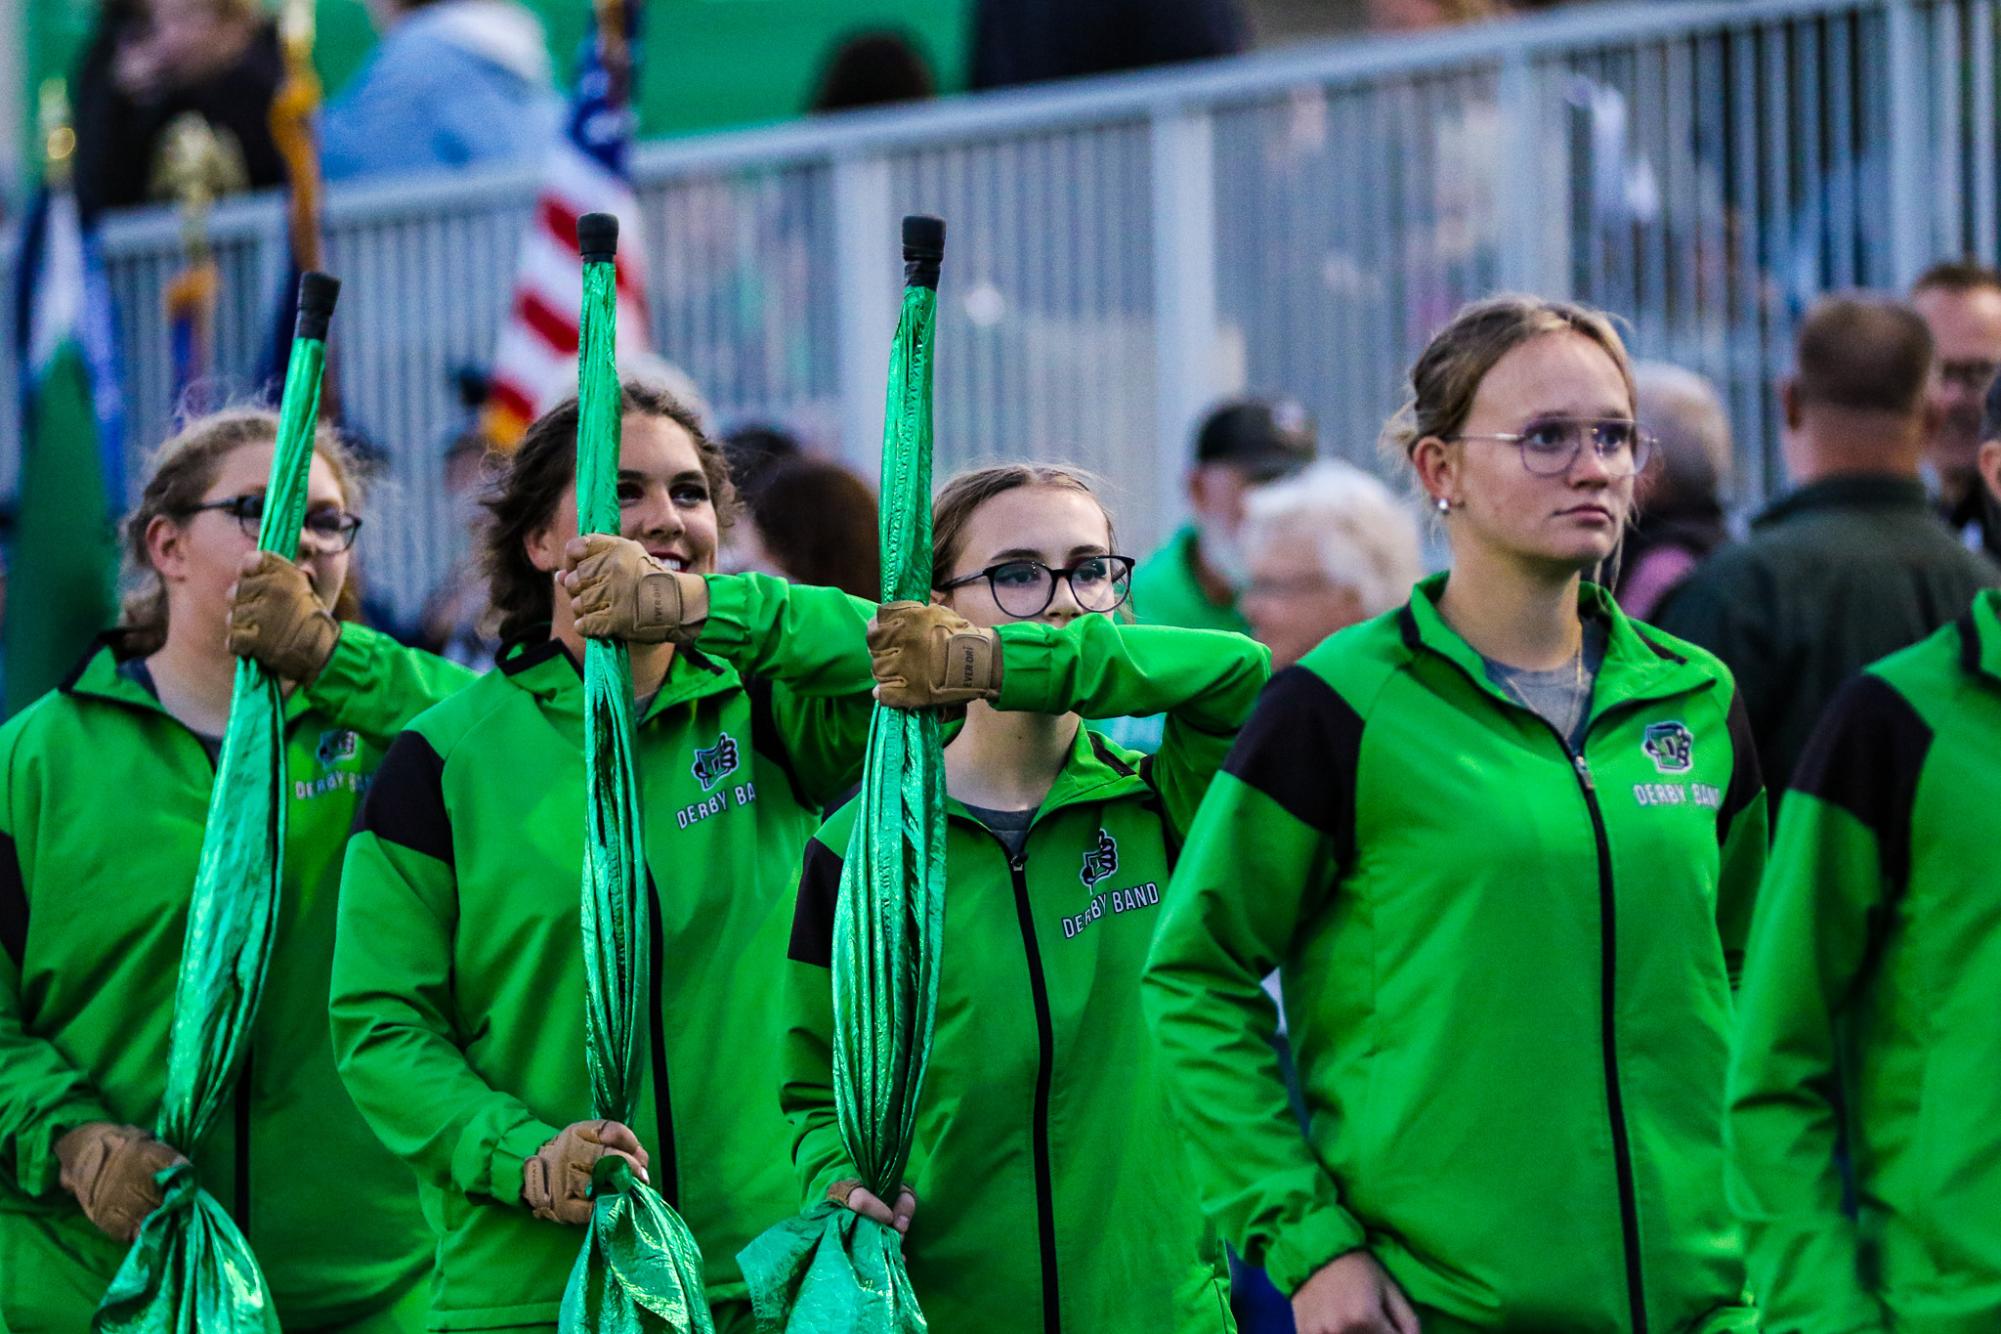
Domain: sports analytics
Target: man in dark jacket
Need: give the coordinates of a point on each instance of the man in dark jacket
(1853, 563)
(1961, 305)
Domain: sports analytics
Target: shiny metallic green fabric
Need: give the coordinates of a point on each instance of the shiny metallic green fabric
(640, 1269)
(190, 1268)
(829, 1270)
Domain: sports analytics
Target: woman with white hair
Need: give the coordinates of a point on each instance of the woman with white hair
(1324, 549)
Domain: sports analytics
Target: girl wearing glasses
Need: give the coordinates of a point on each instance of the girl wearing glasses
(106, 795)
(458, 982)
(1500, 844)
(1056, 1195)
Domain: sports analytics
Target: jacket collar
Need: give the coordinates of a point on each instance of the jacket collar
(545, 668)
(1636, 667)
(97, 676)
(1980, 636)
(1876, 491)
(1094, 772)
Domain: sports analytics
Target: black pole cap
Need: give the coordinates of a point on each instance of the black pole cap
(923, 249)
(317, 294)
(597, 237)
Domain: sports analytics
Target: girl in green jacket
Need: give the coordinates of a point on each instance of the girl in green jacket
(1056, 1195)
(458, 990)
(104, 791)
(1500, 845)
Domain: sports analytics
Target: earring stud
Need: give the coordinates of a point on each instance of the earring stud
(1442, 505)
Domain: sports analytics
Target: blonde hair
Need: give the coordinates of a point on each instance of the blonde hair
(1447, 374)
(1364, 537)
(964, 494)
(179, 473)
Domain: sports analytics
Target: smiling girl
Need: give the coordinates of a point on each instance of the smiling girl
(458, 994)
(1055, 1192)
(1500, 844)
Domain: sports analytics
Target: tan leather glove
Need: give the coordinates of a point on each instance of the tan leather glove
(279, 620)
(110, 1170)
(617, 591)
(556, 1182)
(926, 656)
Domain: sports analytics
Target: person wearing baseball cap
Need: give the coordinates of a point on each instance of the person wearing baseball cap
(1193, 580)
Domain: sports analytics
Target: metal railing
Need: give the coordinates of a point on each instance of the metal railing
(1124, 251)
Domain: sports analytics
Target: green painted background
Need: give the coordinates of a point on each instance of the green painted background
(710, 64)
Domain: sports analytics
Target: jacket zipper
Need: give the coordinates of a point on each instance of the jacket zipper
(1608, 955)
(1622, 1150)
(1045, 1074)
(665, 1169)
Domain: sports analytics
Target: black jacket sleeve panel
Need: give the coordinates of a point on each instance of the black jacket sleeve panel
(813, 918)
(1865, 757)
(1747, 778)
(406, 803)
(1301, 748)
(13, 902)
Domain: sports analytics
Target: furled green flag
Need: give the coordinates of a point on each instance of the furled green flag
(640, 1269)
(829, 1270)
(190, 1271)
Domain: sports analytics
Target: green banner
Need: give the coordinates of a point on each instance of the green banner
(829, 1270)
(640, 1269)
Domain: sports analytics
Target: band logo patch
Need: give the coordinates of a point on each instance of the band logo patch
(337, 745)
(1671, 747)
(1101, 861)
(716, 763)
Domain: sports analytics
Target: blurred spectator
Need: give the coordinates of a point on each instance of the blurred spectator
(453, 83)
(1029, 41)
(1961, 304)
(1678, 512)
(454, 621)
(752, 450)
(153, 62)
(1853, 563)
(1193, 580)
(812, 522)
(874, 69)
(1325, 549)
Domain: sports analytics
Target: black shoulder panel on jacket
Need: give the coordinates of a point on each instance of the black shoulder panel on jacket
(1865, 757)
(1301, 748)
(765, 738)
(406, 803)
(813, 917)
(13, 902)
(1747, 779)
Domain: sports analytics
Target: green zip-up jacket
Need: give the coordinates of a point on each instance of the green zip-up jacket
(1868, 1012)
(1055, 1192)
(101, 819)
(458, 990)
(1507, 976)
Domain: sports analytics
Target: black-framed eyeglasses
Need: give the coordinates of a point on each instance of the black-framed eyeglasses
(333, 529)
(1024, 588)
(1548, 447)
(1973, 376)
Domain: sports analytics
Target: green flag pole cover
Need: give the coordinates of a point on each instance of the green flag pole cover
(640, 1269)
(190, 1268)
(830, 1270)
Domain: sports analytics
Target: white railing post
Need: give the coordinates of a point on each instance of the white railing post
(1908, 153)
(1187, 365)
(1533, 236)
(866, 282)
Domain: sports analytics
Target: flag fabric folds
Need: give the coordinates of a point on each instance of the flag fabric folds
(640, 1270)
(829, 1270)
(72, 478)
(586, 171)
(190, 1267)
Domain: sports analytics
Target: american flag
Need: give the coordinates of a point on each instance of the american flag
(535, 365)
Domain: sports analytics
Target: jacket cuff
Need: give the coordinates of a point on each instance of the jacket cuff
(1309, 1245)
(350, 669)
(726, 632)
(40, 1173)
(494, 1169)
(1033, 669)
